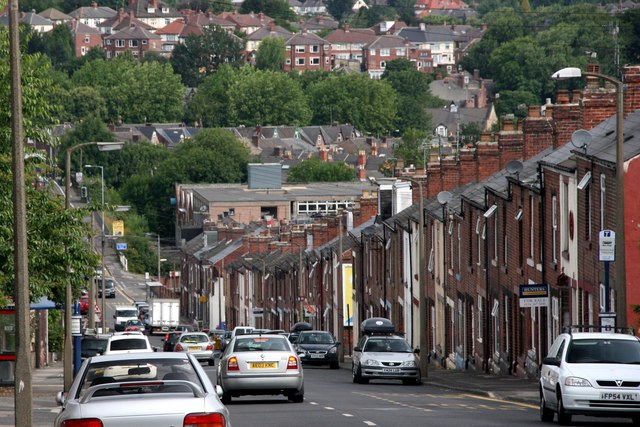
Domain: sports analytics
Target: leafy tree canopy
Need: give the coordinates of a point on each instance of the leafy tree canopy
(276, 9)
(200, 56)
(315, 170)
(339, 9)
(271, 54)
(210, 104)
(369, 105)
(411, 147)
(267, 98)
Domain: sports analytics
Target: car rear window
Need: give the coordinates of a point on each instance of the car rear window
(194, 338)
(128, 344)
(261, 344)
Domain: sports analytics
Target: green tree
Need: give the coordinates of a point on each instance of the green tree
(200, 56)
(271, 54)
(630, 31)
(134, 91)
(210, 105)
(515, 102)
(406, 11)
(56, 235)
(315, 170)
(276, 9)
(84, 101)
(58, 44)
(268, 98)
(410, 148)
(470, 133)
(368, 17)
(370, 105)
(339, 9)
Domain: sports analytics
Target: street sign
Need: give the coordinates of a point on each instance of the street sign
(536, 295)
(121, 246)
(607, 245)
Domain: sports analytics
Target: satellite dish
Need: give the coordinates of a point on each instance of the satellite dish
(514, 167)
(204, 208)
(444, 197)
(581, 139)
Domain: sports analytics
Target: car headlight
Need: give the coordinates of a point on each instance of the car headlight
(577, 382)
(333, 350)
(370, 362)
(409, 364)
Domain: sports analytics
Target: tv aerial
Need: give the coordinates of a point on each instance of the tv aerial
(581, 139)
(514, 167)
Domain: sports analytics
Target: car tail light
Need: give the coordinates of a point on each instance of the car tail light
(293, 363)
(179, 347)
(232, 364)
(204, 420)
(209, 347)
(89, 422)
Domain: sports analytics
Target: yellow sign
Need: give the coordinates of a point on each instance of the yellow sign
(347, 294)
(202, 298)
(118, 228)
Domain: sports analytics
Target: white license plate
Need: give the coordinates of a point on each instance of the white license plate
(619, 396)
(391, 370)
(317, 356)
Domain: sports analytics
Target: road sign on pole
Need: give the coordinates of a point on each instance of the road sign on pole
(607, 245)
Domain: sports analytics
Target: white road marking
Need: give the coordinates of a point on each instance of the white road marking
(329, 408)
(313, 403)
(347, 415)
(370, 423)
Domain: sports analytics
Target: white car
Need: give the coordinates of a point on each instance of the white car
(591, 373)
(128, 342)
(142, 390)
(198, 344)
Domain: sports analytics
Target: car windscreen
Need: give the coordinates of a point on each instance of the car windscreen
(138, 370)
(388, 345)
(127, 313)
(261, 344)
(604, 351)
(315, 338)
(93, 344)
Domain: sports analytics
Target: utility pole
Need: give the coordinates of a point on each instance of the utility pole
(22, 379)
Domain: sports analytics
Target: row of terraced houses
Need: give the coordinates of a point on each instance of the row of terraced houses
(153, 26)
(525, 207)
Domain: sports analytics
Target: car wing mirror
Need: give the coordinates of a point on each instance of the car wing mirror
(356, 348)
(416, 350)
(60, 398)
(554, 361)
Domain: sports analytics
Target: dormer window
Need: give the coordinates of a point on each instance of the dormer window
(151, 9)
(165, 10)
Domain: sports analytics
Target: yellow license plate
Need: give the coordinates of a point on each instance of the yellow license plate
(262, 365)
(192, 348)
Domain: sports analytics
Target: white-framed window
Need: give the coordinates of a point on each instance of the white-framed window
(119, 43)
(603, 199)
(459, 248)
(478, 239)
(385, 52)
(495, 238)
(554, 227)
(109, 42)
(495, 316)
(133, 43)
(480, 321)
(506, 323)
(383, 64)
(555, 316)
(144, 41)
(532, 226)
(288, 61)
(314, 61)
(450, 232)
(83, 50)
(430, 266)
(314, 48)
(372, 51)
(401, 51)
(87, 39)
(300, 49)
(299, 61)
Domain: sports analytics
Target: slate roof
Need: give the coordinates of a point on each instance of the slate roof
(54, 14)
(78, 27)
(387, 41)
(134, 33)
(305, 38)
(418, 35)
(351, 35)
(123, 20)
(140, 8)
(93, 12)
(269, 31)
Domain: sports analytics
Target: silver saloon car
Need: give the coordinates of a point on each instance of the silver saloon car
(198, 344)
(385, 357)
(142, 390)
(260, 365)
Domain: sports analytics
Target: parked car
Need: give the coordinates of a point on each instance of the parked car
(134, 325)
(318, 348)
(109, 288)
(128, 342)
(92, 345)
(169, 341)
(381, 354)
(260, 365)
(152, 389)
(297, 328)
(197, 344)
(591, 373)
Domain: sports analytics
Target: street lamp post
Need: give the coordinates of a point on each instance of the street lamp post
(621, 280)
(68, 353)
(92, 290)
(159, 259)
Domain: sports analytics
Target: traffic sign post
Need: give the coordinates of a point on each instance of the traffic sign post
(606, 253)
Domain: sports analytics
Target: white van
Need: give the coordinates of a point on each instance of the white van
(242, 330)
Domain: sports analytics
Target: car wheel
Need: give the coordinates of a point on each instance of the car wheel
(297, 397)
(355, 373)
(546, 414)
(226, 398)
(335, 365)
(563, 418)
(635, 420)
